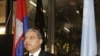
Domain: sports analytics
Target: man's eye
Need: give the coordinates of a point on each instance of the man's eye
(31, 37)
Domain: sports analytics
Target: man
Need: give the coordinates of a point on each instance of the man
(32, 43)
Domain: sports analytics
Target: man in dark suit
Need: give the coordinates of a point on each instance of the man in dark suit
(32, 43)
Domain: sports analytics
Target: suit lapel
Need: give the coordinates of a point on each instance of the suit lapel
(42, 53)
(27, 54)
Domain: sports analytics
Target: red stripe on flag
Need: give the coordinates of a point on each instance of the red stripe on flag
(24, 8)
(19, 12)
(21, 9)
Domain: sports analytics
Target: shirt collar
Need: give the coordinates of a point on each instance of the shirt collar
(36, 53)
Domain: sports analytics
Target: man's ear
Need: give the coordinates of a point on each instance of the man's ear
(41, 41)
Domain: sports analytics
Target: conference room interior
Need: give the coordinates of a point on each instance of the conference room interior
(62, 25)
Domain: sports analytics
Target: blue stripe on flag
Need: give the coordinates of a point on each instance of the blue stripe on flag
(25, 24)
(19, 49)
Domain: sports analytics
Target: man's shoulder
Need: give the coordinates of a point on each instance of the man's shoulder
(26, 54)
(47, 53)
(43, 53)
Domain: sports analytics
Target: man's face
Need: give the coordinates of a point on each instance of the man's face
(32, 42)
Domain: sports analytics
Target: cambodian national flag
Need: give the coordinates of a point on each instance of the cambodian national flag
(21, 25)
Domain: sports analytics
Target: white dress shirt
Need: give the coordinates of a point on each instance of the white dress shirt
(36, 53)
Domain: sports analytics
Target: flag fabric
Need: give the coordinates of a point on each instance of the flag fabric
(21, 25)
(88, 42)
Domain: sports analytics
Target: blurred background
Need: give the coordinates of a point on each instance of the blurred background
(60, 22)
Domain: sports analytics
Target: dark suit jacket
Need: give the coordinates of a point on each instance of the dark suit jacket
(42, 53)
